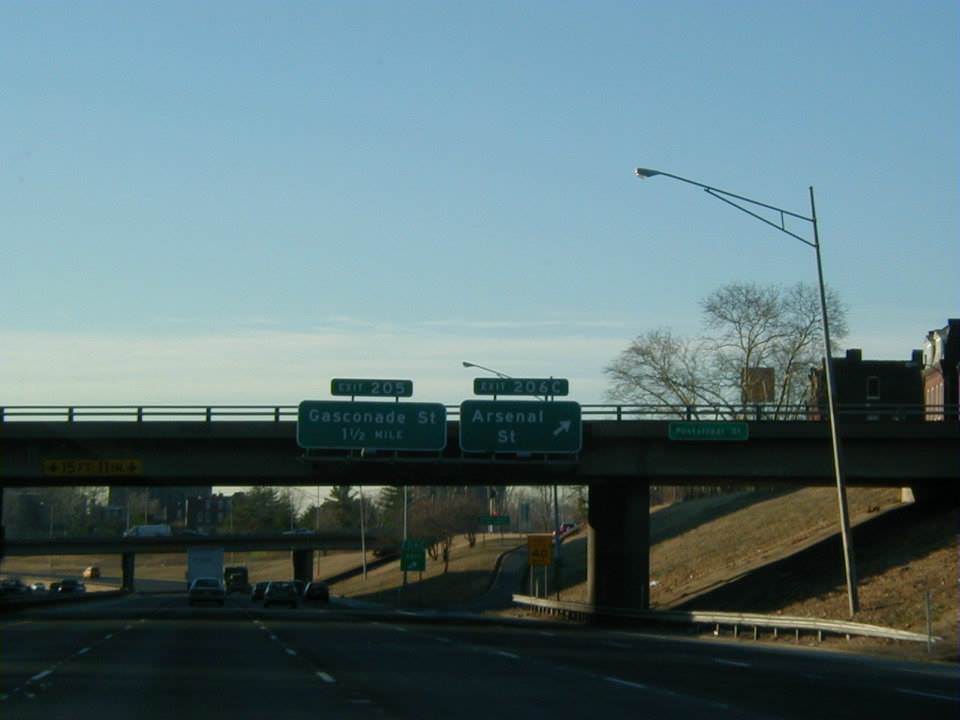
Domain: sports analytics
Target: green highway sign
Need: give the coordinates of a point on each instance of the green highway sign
(499, 520)
(345, 425)
(521, 386)
(413, 556)
(520, 426)
(708, 431)
(371, 388)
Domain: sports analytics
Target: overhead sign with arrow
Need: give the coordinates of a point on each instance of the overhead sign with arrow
(520, 426)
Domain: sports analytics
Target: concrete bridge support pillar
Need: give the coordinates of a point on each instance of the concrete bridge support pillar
(618, 544)
(127, 565)
(302, 565)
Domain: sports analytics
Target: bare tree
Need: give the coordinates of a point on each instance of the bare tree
(749, 326)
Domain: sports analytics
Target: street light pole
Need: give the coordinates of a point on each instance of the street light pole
(556, 506)
(731, 199)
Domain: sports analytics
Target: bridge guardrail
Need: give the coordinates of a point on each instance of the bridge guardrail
(580, 611)
(744, 413)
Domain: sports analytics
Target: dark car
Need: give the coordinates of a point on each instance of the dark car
(256, 594)
(13, 588)
(206, 589)
(300, 585)
(280, 593)
(70, 586)
(316, 592)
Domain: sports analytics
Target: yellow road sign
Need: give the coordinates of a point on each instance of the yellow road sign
(540, 549)
(92, 468)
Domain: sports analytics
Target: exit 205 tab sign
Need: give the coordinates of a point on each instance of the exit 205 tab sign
(345, 425)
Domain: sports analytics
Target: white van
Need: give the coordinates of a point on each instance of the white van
(149, 531)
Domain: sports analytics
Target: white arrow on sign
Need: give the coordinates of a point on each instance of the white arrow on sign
(564, 426)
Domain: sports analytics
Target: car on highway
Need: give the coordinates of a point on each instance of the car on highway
(317, 592)
(38, 587)
(70, 586)
(256, 594)
(13, 588)
(91, 572)
(281, 593)
(206, 590)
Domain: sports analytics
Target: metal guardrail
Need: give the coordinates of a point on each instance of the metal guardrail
(276, 413)
(736, 621)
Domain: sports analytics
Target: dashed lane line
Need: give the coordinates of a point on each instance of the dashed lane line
(83, 651)
(325, 677)
(41, 675)
(108, 637)
(936, 696)
(627, 683)
(734, 663)
(510, 655)
(290, 652)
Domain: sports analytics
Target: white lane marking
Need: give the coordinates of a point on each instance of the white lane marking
(273, 637)
(547, 633)
(29, 695)
(325, 677)
(936, 696)
(108, 637)
(508, 654)
(618, 681)
(40, 676)
(128, 627)
(734, 663)
(443, 639)
(407, 612)
(83, 651)
(398, 628)
(290, 652)
(615, 644)
(362, 701)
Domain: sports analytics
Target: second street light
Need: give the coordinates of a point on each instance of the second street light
(556, 504)
(756, 207)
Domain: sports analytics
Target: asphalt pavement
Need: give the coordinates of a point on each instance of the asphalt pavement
(152, 656)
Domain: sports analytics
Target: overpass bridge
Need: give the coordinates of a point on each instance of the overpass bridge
(625, 449)
(302, 546)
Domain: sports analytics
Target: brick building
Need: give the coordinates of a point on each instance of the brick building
(879, 390)
(941, 367)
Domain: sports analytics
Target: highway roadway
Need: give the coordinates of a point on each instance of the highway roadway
(151, 656)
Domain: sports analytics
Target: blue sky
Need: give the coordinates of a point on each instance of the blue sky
(235, 202)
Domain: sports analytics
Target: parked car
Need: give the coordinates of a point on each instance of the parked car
(300, 586)
(317, 592)
(69, 586)
(162, 530)
(38, 587)
(206, 589)
(91, 573)
(280, 593)
(258, 589)
(54, 588)
(13, 588)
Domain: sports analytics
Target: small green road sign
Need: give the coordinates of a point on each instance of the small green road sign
(371, 388)
(496, 520)
(413, 556)
(709, 431)
(341, 424)
(545, 387)
(520, 426)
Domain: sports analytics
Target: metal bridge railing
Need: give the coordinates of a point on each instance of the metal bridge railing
(277, 413)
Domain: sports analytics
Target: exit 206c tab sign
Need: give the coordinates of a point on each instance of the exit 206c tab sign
(345, 425)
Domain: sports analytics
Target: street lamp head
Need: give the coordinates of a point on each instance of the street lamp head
(645, 173)
(468, 364)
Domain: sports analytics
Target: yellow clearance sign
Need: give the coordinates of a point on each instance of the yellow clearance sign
(540, 549)
(92, 468)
